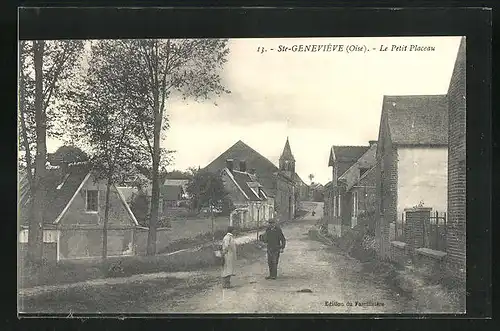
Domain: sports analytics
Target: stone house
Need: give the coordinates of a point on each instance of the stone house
(253, 206)
(412, 160)
(456, 223)
(351, 193)
(277, 182)
(73, 219)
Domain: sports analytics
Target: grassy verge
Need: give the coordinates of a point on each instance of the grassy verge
(427, 293)
(66, 272)
(150, 295)
(77, 271)
(133, 297)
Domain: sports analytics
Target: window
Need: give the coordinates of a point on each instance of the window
(92, 201)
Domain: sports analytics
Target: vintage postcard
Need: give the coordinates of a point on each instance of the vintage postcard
(276, 175)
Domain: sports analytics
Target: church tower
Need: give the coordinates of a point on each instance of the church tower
(287, 161)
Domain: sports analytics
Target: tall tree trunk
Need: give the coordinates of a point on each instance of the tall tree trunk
(106, 218)
(35, 237)
(155, 192)
(24, 130)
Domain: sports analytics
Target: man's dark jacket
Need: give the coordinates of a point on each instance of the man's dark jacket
(274, 238)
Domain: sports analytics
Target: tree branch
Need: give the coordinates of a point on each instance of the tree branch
(52, 85)
(147, 139)
(24, 131)
(164, 79)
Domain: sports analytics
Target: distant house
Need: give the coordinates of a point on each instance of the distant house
(278, 182)
(253, 206)
(302, 188)
(316, 191)
(412, 159)
(174, 193)
(456, 223)
(74, 216)
(352, 190)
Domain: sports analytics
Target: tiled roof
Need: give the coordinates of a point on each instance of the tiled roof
(287, 152)
(245, 181)
(127, 192)
(298, 179)
(57, 199)
(417, 119)
(264, 168)
(367, 161)
(345, 156)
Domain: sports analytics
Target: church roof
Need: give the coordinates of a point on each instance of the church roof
(287, 152)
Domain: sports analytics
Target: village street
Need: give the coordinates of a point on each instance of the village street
(312, 278)
(332, 278)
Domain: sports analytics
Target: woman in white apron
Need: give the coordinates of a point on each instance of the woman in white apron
(229, 254)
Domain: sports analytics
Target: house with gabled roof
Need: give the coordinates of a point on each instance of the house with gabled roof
(73, 219)
(279, 182)
(174, 192)
(253, 205)
(350, 194)
(412, 159)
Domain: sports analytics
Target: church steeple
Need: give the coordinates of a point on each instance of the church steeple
(287, 161)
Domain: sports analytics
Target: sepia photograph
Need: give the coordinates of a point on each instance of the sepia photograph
(242, 175)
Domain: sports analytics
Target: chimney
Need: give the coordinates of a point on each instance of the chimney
(229, 164)
(372, 142)
(252, 171)
(243, 166)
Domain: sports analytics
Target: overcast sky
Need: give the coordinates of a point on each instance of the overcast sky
(317, 99)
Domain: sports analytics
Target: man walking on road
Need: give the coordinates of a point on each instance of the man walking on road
(275, 245)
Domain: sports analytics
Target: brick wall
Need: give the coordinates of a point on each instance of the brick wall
(414, 228)
(386, 189)
(456, 223)
(399, 253)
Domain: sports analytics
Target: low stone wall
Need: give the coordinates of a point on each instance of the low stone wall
(399, 253)
(49, 251)
(430, 262)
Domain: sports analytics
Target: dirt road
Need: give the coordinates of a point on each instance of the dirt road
(312, 278)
